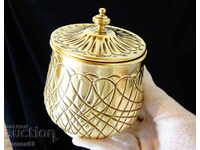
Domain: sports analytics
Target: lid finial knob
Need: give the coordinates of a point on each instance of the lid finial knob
(101, 20)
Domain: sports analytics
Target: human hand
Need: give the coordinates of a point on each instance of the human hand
(162, 125)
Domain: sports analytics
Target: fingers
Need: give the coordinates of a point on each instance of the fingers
(128, 140)
(124, 141)
(175, 126)
(92, 144)
(157, 103)
(146, 132)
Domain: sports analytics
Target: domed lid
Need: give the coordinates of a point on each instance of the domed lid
(98, 42)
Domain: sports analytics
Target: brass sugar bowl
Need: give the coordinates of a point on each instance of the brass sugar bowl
(94, 82)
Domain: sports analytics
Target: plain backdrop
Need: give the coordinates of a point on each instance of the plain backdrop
(167, 27)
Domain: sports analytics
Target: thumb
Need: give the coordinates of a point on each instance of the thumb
(157, 103)
(123, 141)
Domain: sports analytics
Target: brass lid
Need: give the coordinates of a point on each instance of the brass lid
(98, 42)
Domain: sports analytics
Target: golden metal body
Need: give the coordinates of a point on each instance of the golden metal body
(94, 82)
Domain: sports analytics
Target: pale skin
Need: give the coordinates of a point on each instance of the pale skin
(163, 124)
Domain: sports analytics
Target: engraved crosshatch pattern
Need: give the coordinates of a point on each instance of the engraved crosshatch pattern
(84, 104)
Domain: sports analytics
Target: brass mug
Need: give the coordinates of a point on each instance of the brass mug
(94, 91)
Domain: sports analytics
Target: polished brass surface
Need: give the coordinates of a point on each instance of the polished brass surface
(101, 20)
(94, 91)
(98, 42)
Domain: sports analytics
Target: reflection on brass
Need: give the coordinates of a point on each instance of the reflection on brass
(101, 20)
(94, 83)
